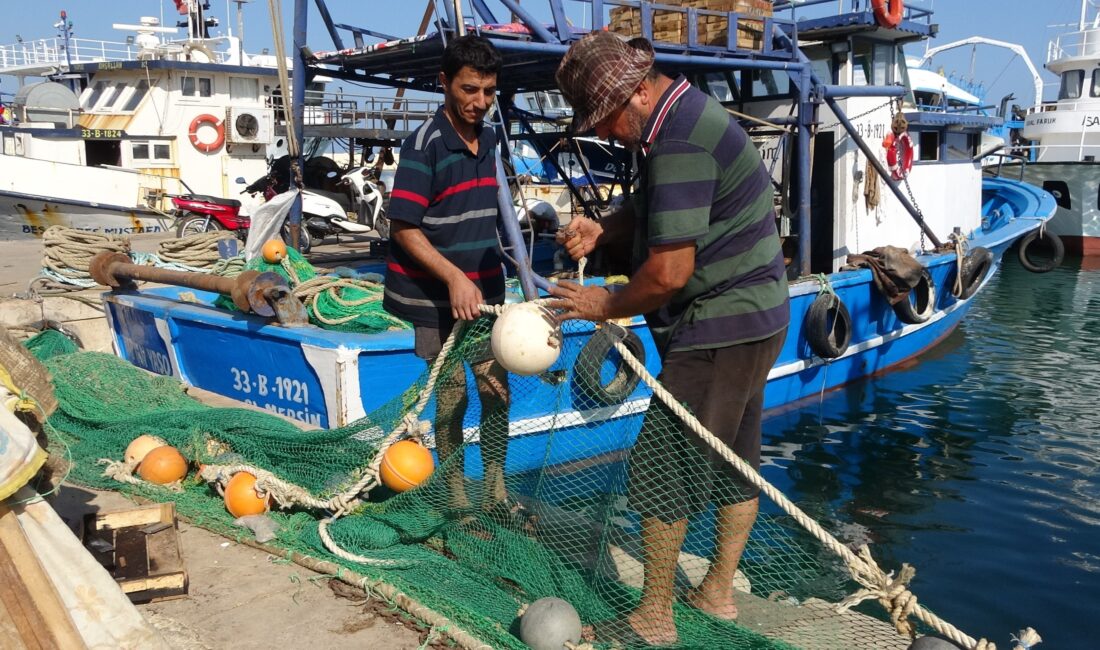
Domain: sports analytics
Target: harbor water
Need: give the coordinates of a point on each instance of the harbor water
(979, 464)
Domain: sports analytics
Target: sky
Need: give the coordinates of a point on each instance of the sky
(1029, 23)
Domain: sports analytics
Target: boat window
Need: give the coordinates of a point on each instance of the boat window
(929, 145)
(197, 86)
(883, 64)
(823, 69)
(145, 151)
(1095, 90)
(961, 146)
(93, 94)
(1071, 84)
(112, 95)
(770, 83)
(1060, 191)
(717, 85)
(243, 88)
(139, 94)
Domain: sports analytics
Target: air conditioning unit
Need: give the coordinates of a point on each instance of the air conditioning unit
(250, 125)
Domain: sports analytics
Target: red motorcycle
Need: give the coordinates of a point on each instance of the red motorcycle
(198, 213)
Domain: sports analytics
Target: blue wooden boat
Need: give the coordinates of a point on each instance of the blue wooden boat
(329, 379)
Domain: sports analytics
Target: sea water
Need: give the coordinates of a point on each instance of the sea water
(979, 464)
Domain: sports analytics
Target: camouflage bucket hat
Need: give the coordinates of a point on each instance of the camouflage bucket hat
(598, 74)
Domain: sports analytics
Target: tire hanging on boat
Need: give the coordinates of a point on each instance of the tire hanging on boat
(828, 326)
(920, 304)
(587, 384)
(973, 270)
(888, 12)
(1028, 246)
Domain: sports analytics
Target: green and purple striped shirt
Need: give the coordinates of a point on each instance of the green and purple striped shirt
(704, 181)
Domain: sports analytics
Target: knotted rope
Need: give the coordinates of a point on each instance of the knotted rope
(198, 252)
(69, 252)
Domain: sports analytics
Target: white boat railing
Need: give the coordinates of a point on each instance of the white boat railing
(1075, 44)
(51, 52)
(1090, 104)
(338, 108)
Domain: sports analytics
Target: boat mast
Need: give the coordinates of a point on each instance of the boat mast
(1084, 15)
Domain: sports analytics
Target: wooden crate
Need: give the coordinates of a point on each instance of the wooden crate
(672, 26)
(140, 548)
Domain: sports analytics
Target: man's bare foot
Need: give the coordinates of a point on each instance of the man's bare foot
(718, 603)
(655, 626)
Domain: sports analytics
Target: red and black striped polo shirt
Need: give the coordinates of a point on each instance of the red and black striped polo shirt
(451, 195)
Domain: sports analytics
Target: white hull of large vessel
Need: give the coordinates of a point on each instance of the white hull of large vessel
(23, 217)
(1077, 221)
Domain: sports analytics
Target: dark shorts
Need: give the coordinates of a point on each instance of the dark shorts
(428, 342)
(673, 473)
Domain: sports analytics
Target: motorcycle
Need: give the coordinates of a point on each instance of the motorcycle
(199, 213)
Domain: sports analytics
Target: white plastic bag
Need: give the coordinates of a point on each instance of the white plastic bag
(267, 222)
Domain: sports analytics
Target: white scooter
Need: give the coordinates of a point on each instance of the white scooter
(324, 216)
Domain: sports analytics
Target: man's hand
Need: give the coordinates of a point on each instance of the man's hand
(579, 237)
(465, 298)
(584, 303)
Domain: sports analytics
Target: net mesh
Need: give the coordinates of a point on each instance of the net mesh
(344, 303)
(536, 493)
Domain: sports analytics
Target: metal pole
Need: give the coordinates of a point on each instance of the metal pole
(460, 21)
(528, 280)
(805, 170)
(297, 107)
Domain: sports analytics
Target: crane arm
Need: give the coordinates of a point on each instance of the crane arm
(980, 40)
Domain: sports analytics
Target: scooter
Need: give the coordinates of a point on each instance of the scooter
(322, 217)
(199, 213)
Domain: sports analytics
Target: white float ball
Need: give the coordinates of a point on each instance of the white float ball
(526, 340)
(550, 623)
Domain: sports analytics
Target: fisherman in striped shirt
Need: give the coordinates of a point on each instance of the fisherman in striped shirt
(710, 278)
(444, 260)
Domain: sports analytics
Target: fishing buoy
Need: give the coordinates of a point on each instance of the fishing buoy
(242, 498)
(526, 340)
(141, 445)
(405, 465)
(163, 465)
(274, 251)
(550, 623)
(932, 643)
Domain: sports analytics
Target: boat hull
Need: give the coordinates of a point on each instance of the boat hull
(1077, 221)
(27, 216)
(329, 379)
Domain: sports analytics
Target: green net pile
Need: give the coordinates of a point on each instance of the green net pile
(344, 304)
(487, 533)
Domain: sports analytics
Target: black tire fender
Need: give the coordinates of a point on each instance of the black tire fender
(919, 305)
(828, 326)
(587, 386)
(1057, 249)
(975, 267)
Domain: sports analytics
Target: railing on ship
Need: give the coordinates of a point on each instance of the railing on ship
(338, 108)
(1073, 44)
(51, 51)
(913, 12)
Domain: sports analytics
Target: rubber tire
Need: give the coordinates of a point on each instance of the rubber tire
(828, 326)
(382, 225)
(305, 240)
(1056, 245)
(184, 228)
(904, 309)
(975, 267)
(587, 388)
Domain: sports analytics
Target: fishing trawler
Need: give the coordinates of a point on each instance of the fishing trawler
(1065, 135)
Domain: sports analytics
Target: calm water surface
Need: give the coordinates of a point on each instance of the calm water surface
(979, 465)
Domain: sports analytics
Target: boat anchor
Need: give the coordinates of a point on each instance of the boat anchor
(264, 294)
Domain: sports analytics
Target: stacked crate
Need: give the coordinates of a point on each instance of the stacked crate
(672, 26)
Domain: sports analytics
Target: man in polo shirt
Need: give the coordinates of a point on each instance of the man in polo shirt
(709, 277)
(444, 259)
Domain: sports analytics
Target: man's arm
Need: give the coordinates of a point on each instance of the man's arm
(465, 297)
(667, 269)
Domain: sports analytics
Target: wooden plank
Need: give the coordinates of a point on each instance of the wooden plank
(34, 594)
(141, 516)
(144, 554)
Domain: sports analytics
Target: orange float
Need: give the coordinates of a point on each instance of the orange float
(274, 251)
(140, 446)
(405, 465)
(242, 498)
(208, 120)
(899, 154)
(888, 12)
(163, 465)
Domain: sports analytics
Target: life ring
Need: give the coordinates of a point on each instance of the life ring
(828, 326)
(973, 270)
(209, 120)
(587, 385)
(888, 12)
(1054, 242)
(899, 155)
(920, 303)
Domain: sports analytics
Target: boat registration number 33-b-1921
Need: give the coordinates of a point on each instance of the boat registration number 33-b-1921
(284, 388)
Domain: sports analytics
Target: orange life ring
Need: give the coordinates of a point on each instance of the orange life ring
(899, 155)
(210, 120)
(888, 17)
